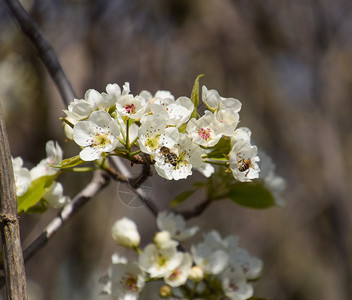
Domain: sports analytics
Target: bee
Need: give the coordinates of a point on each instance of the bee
(172, 157)
(244, 164)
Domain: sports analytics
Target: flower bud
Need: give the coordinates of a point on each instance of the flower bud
(125, 233)
(196, 274)
(165, 291)
(162, 237)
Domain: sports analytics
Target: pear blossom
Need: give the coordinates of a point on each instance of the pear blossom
(242, 133)
(54, 195)
(205, 131)
(179, 275)
(240, 259)
(113, 93)
(176, 112)
(22, 176)
(80, 109)
(188, 155)
(243, 161)
(132, 107)
(153, 134)
(211, 254)
(214, 101)
(274, 183)
(162, 239)
(125, 233)
(125, 281)
(235, 285)
(159, 262)
(98, 135)
(53, 157)
(175, 225)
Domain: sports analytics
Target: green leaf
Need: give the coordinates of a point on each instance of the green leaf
(34, 193)
(39, 208)
(252, 195)
(221, 149)
(181, 198)
(256, 298)
(195, 96)
(70, 162)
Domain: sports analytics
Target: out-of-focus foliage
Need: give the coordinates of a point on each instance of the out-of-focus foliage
(289, 62)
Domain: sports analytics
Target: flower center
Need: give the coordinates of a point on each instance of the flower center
(204, 133)
(175, 274)
(152, 142)
(130, 108)
(130, 283)
(100, 139)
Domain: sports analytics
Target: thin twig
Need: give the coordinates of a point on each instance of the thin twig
(15, 277)
(197, 211)
(44, 48)
(99, 181)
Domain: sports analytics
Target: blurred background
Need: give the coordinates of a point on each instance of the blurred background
(289, 62)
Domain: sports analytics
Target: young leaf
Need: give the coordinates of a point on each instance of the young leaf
(70, 162)
(34, 193)
(252, 195)
(195, 96)
(182, 197)
(221, 149)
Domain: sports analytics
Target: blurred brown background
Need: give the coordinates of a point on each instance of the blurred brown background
(289, 62)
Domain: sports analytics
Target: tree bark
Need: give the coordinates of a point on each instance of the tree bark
(10, 233)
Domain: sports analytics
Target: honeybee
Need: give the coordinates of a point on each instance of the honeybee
(244, 164)
(172, 157)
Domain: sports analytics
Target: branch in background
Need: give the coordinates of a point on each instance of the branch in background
(136, 182)
(99, 181)
(45, 51)
(10, 232)
(197, 211)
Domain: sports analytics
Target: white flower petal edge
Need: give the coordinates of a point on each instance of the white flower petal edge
(99, 134)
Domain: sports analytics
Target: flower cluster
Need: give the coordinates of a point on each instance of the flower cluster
(44, 174)
(215, 266)
(170, 130)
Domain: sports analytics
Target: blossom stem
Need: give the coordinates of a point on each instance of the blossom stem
(135, 152)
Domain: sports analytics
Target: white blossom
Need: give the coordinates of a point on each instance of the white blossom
(80, 109)
(274, 183)
(125, 233)
(22, 176)
(132, 107)
(175, 225)
(179, 275)
(153, 134)
(125, 281)
(159, 262)
(243, 161)
(205, 131)
(211, 254)
(99, 134)
(55, 197)
(175, 112)
(241, 260)
(186, 155)
(113, 93)
(235, 285)
(53, 157)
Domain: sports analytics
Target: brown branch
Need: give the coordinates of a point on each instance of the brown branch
(10, 232)
(136, 183)
(45, 50)
(197, 211)
(99, 181)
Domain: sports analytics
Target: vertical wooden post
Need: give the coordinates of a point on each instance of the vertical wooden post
(12, 250)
